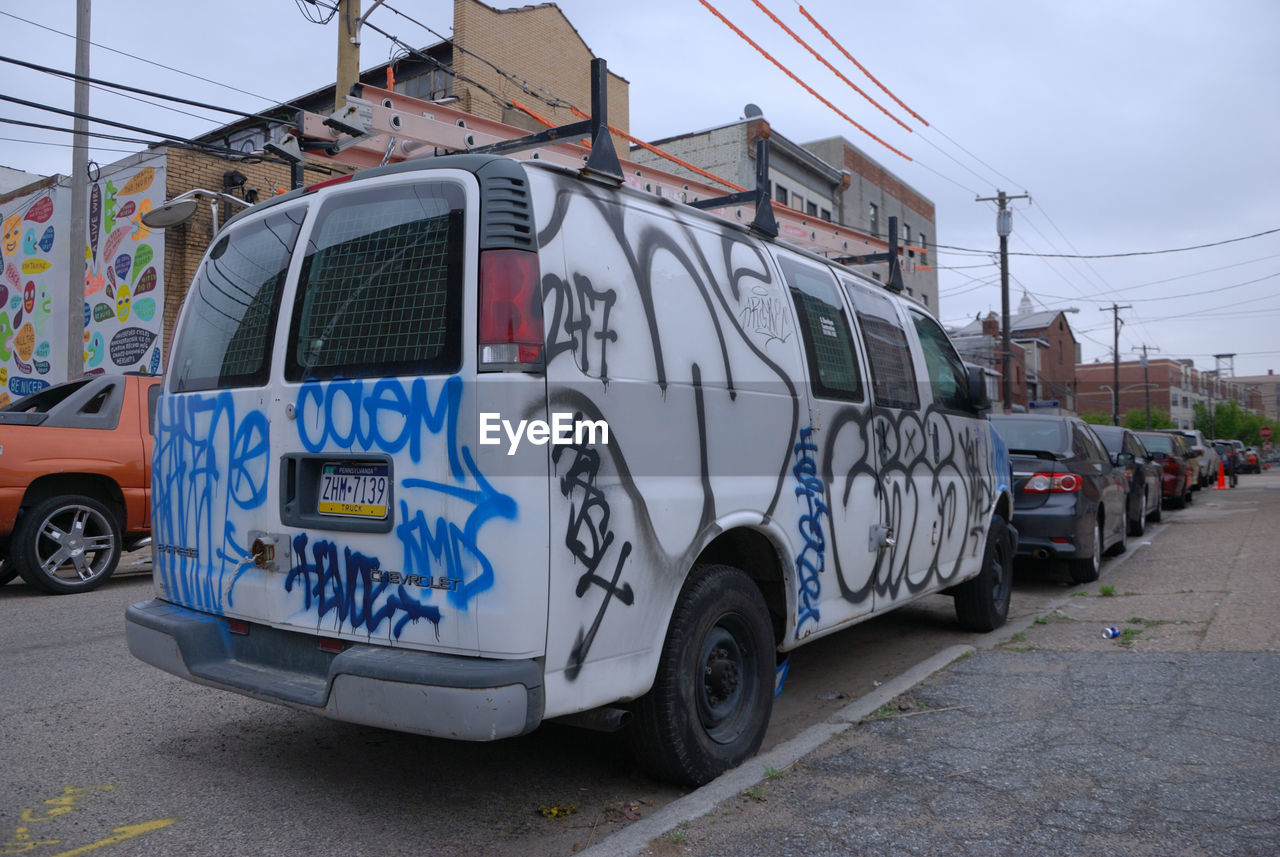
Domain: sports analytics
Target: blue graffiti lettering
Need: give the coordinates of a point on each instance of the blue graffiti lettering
(388, 418)
(811, 561)
(208, 462)
(452, 549)
(353, 589)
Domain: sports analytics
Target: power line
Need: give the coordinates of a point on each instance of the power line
(150, 62)
(1118, 255)
(151, 93)
(714, 11)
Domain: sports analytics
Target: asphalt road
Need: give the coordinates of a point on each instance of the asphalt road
(103, 753)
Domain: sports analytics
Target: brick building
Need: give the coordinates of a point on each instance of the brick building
(829, 180)
(1268, 386)
(1176, 387)
(1047, 351)
(982, 346)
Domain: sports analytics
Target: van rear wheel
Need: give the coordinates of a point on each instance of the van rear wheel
(710, 702)
(982, 602)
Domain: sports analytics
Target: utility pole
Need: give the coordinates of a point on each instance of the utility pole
(79, 226)
(1115, 365)
(1146, 385)
(349, 22)
(1004, 225)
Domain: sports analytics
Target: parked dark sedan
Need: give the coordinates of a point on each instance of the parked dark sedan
(1172, 453)
(1143, 472)
(1069, 499)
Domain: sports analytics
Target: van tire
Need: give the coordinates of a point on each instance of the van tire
(713, 694)
(982, 603)
(37, 537)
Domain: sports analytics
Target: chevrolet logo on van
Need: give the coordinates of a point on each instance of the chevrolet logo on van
(448, 584)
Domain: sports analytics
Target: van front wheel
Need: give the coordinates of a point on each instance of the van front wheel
(710, 702)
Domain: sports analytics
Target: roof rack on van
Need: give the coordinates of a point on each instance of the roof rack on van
(378, 126)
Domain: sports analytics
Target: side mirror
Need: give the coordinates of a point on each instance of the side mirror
(1124, 459)
(978, 397)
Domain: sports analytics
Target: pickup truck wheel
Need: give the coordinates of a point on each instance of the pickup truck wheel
(982, 603)
(710, 702)
(66, 544)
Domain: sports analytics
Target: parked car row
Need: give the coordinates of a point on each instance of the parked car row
(1080, 489)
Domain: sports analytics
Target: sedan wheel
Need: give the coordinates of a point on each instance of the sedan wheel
(66, 544)
(1138, 525)
(1086, 570)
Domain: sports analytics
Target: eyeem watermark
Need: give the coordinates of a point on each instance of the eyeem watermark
(561, 431)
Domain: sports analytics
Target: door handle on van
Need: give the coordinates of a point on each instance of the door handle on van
(881, 537)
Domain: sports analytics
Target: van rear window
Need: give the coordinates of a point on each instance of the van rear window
(233, 305)
(381, 286)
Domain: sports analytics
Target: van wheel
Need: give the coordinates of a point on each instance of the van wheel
(982, 603)
(1086, 570)
(66, 544)
(711, 700)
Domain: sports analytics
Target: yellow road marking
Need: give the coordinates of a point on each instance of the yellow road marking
(120, 834)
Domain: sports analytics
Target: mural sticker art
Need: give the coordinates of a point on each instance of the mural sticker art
(123, 275)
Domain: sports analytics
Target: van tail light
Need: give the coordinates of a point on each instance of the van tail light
(510, 311)
(1052, 483)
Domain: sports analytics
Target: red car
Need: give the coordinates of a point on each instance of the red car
(1171, 453)
(75, 480)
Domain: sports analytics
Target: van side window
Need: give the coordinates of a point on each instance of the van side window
(947, 375)
(381, 286)
(833, 365)
(893, 374)
(233, 304)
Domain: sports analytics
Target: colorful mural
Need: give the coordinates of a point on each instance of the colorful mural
(124, 281)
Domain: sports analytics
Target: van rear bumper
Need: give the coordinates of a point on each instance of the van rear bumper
(444, 696)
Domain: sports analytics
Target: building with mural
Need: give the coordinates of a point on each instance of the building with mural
(123, 285)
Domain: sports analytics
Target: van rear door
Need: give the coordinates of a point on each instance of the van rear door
(318, 449)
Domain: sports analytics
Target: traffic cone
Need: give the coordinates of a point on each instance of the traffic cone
(1222, 476)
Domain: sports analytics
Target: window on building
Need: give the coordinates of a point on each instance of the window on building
(873, 215)
(826, 215)
(811, 209)
(924, 249)
(780, 194)
(906, 239)
(797, 202)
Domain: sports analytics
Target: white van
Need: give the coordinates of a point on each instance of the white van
(463, 444)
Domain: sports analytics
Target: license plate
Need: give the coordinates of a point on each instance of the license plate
(354, 490)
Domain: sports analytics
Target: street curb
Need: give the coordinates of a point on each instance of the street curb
(635, 837)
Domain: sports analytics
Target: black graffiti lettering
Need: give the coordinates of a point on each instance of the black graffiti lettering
(589, 539)
(581, 327)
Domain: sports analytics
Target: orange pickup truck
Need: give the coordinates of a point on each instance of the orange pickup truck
(75, 480)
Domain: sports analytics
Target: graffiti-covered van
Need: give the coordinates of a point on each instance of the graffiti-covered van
(464, 444)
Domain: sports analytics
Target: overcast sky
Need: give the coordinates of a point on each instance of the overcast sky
(1135, 126)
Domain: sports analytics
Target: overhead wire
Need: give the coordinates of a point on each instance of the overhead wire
(151, 62)
(716, 12)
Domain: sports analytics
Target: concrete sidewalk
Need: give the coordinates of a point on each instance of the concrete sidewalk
(1053, 741)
